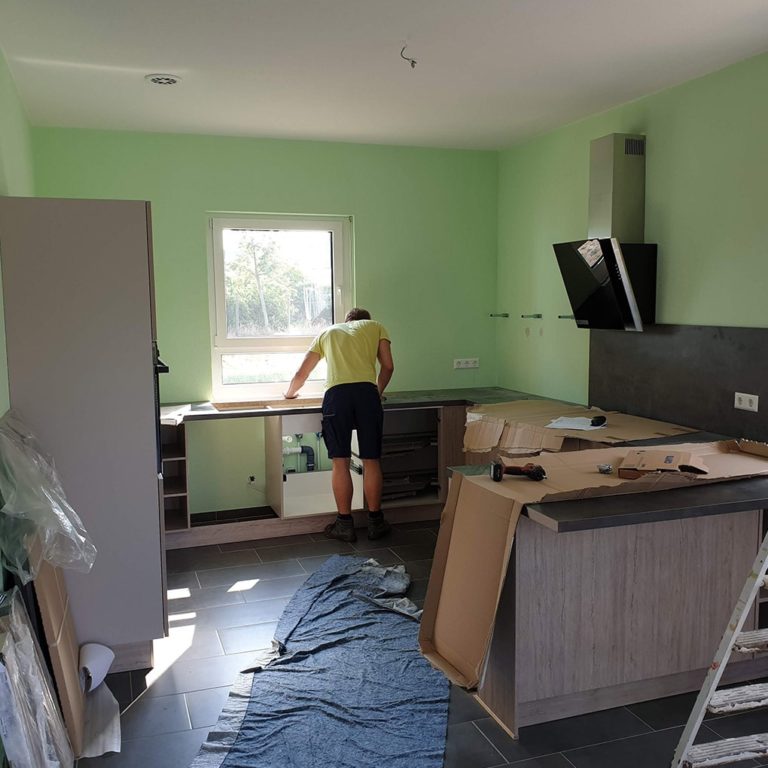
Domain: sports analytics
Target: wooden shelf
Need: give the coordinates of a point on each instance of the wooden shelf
(174, 486)
(176, 519)
(173, 453)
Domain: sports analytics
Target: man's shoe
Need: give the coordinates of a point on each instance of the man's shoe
(342, 530)
(378, 527)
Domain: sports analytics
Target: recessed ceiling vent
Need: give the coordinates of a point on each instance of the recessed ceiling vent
(617, 187)
(158, 79)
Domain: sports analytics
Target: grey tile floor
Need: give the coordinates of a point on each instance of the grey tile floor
(224, 603)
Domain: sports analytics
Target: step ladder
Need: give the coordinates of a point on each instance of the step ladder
(728, 700)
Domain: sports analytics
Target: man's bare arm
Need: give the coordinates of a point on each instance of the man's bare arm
(386, 364)
(311, 359)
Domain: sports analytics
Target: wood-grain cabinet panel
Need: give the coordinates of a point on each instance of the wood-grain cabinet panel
(607, 607)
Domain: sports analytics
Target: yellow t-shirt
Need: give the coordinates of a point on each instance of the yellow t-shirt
(350, 350)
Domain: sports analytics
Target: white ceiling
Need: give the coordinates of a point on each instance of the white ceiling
(489, 72)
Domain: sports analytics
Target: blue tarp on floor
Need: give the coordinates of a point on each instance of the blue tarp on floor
(350, 688)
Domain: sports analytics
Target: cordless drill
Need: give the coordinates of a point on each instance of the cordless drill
(531, 471)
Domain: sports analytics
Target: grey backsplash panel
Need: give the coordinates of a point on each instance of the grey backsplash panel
(685, 374)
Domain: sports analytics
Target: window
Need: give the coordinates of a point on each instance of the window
(277, 281)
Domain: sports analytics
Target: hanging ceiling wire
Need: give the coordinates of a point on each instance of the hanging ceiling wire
(411, 61)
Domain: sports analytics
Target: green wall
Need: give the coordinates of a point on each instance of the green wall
(444, 237)
(425, 255)
(424, 230)
(16, 178)
(706, 203)
(221, 455)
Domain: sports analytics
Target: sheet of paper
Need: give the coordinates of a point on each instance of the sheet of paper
(173, 414)
(102, 722)
(573, 422)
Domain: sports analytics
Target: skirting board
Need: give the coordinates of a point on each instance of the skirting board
(247, 530)
(559, 707)
(132, 656)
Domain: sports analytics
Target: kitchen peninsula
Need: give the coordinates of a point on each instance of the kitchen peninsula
(602, 602)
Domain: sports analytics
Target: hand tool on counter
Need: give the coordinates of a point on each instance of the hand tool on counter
(529, 470)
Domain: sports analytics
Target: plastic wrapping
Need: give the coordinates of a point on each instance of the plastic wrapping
(31, 726)
(32, 503)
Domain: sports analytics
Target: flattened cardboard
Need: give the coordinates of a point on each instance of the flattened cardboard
(642, 461)
(520, 428)
(725, 460)
(478, 525)
(470, 560)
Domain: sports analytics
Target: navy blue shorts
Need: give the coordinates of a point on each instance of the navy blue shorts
(353, 406)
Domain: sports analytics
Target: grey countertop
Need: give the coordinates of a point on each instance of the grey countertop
(394, 400)
(563, 516)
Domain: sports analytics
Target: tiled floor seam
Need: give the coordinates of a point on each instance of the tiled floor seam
(162, 733)
(474, 722)
(637, 717)
(565, 757)
(186, 709)
(623, 738)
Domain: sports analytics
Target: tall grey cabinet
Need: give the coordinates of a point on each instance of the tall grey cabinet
(77, 296)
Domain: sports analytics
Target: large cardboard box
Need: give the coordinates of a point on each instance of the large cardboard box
(477, 530)
(519, 428)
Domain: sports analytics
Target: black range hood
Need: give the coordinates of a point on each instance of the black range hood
(610, 285)
(610, 277)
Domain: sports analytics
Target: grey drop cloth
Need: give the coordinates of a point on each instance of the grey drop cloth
(350, 688)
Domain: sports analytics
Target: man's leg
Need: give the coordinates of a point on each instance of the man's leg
(372, 483)
(341, 483)
(370, 424)
(343, 528)
(337, 433)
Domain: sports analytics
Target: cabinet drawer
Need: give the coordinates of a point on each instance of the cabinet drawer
(420, 459)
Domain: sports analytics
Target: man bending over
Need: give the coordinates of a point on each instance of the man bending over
(352, 401)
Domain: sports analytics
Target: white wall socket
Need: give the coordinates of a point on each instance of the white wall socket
(466, 362)
(745, 402)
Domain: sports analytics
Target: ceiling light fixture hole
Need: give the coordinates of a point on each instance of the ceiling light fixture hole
(162, 79)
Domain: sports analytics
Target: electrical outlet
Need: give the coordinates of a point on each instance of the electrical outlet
(466, 362)
(745, 402)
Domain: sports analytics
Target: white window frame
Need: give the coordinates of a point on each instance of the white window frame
(343, 298)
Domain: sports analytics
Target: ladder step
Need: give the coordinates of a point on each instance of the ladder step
(739, 699)
(727, 751)
(751, 642)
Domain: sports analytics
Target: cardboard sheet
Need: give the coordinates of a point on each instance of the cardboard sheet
(474, 544)
(478, 525)
(520, 428)
(642, 461)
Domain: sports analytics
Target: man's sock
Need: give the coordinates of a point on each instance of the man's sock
(375, 514)
(344, 519)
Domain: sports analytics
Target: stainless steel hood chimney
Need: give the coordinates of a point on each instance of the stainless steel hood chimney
(610, 278)
(617, 188)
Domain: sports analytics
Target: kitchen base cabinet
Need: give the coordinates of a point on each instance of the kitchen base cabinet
(420, 444)
(298, 468)
(173, 451)
(606, 617)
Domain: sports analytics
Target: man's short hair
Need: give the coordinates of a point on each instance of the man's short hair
(356, 313)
